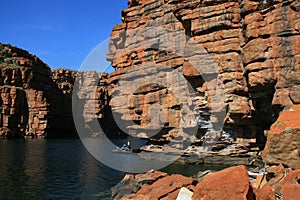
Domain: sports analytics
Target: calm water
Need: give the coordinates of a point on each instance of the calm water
(59, 169)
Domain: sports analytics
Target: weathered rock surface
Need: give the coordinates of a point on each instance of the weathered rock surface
(290, 186)
(284, 184)
(152, 185)
(164, 47)
(24, 82)
(132, 183)
(283, 144)
(265, 193)
(165, 188)
(183, 69)
(231, 183)
(35, 102)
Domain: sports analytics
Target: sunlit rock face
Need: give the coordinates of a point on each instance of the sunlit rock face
(189, 67)
(182, 69)
(35, 102)
(24, 82)
(284, 140)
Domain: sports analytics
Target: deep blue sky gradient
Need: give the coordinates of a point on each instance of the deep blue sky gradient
(60, 32)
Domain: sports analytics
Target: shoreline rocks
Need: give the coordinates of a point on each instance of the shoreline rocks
(235, 155)
(269, 181)
(231, 183)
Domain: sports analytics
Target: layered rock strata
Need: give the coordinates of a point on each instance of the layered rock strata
(25, 80)
(189, 67)
(35, 102)
(183, 69)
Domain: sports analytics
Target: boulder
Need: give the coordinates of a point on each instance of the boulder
(132, 183)
(283, 143)
(229, 184)
(167, 186)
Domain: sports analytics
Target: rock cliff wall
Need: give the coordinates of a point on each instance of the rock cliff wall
(182, 68)
(35, 102)
(25, 79)
(167, 46)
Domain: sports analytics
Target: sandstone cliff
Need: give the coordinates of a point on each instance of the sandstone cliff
(35, 102)
(182, 68)
(24, 81)
(250, 46)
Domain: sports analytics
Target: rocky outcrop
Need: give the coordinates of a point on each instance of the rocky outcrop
(245, 50)
(132, 183)
(35, 102)
(265, 193)
(231, 183)
(283, 144)
(24, 82)
(164, 188)
(152, 185)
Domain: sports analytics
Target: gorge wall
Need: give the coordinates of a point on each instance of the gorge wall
(35, 102)
(181, 67)
(251, 46)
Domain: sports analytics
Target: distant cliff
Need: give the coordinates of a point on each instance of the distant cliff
(35, 102)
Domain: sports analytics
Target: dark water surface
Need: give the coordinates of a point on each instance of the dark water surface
(60, 169)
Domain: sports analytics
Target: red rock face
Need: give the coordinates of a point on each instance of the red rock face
(36, 102)
(132, 183)
(168, 56)
(283, 144)
(166, 186)
(290, 187)
(33, 103)
(265, 193)
(24, 82)
(252, 44)
(157, 185)
(232, 183)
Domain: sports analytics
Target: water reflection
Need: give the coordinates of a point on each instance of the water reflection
(52, 169)
(62, 169)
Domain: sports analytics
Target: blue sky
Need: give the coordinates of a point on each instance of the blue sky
(60, 32)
